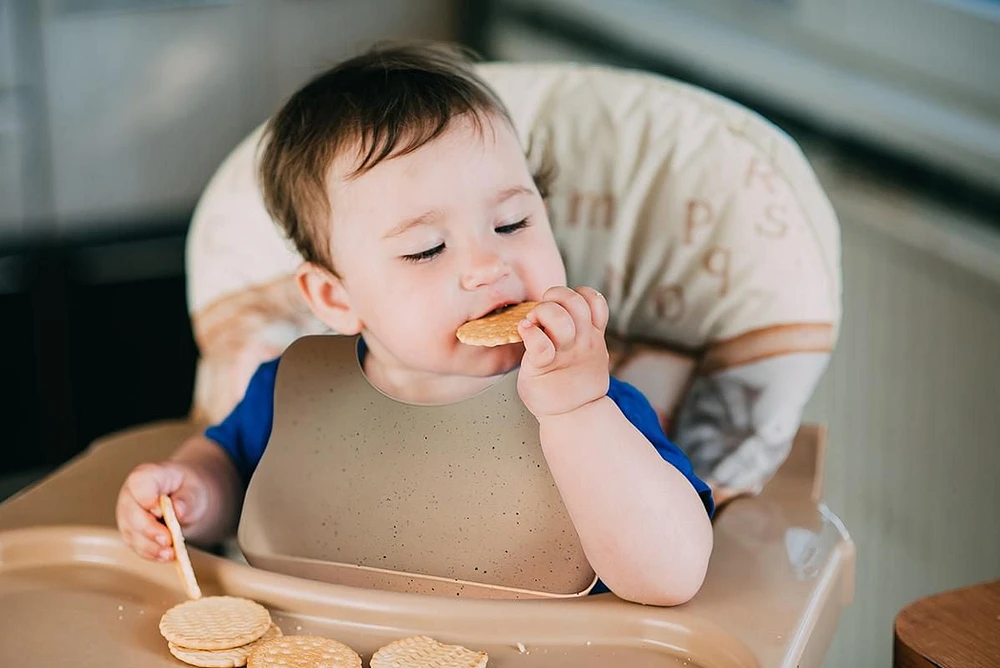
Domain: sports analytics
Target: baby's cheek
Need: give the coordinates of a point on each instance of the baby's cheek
(419, 334)
(545, 268)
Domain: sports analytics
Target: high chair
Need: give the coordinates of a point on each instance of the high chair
(718, 252)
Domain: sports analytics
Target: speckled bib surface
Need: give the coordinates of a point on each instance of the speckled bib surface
(360, 489)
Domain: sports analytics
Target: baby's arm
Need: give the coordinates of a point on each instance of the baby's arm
(642, 524)
(206, 490)
(223, 496)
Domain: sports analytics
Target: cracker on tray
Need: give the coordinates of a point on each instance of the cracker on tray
(424, 652)
(215, 623)
(303, 652)
(222, 658)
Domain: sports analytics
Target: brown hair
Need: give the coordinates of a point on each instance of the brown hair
(388, 102)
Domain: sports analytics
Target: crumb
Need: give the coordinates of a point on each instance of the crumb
(120, 608)
(588, 643)
(521, 648)
(298, 628)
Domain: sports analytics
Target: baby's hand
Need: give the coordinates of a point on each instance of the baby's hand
(138, 507)
(565, 364)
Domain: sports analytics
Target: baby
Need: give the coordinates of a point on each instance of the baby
(401, 181)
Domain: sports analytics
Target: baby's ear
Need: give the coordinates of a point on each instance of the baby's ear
(328, 300)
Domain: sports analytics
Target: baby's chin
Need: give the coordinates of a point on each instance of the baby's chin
(483, 361)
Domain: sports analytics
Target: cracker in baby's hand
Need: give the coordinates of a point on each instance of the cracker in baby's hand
(424, 652)
(215, 623)
(303, 652)
(181, 557)
(495, 329)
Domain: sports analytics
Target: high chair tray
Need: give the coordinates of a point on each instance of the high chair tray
(781, 574)
(76, 596)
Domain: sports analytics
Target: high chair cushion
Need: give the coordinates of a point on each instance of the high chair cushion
(702, 224)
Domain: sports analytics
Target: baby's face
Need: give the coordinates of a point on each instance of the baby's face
(430, 240)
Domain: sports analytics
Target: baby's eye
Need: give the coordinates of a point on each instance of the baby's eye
(513, 227)
(424, 255)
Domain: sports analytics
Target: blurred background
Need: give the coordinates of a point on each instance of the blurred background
(115, 113)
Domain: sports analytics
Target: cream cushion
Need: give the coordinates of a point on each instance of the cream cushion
(702, 224)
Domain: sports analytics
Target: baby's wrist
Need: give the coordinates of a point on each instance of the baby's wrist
(574, 415)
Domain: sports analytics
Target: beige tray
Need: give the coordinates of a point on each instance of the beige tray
(781, 574)
(76, 596)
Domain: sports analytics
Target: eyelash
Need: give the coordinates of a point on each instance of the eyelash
(430, 253)
(424, 255)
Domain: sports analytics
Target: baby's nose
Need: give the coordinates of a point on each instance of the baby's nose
(485, 267)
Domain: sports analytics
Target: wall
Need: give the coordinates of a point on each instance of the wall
(135, 103)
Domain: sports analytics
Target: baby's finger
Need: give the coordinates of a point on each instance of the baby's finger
(599, 312)
(185, 506)
(557, 323)
(574, 303)
(148, 481)
(143, 523)
(537, 345)
(148, 549)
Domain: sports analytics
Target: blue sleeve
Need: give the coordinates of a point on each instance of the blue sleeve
(634, 405)
(245, 431)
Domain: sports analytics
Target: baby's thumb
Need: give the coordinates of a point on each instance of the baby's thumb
(149, 481)
(187, 505)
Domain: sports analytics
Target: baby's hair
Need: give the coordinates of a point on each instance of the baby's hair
(387, 102)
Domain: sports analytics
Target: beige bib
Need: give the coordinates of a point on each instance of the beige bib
(360, 489)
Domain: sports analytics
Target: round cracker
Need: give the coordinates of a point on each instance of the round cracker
(424, 652)
(215, 622)
(222, 658)
(496, 329)
(303, 652)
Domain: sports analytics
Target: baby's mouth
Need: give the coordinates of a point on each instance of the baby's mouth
(496, 311)
(501, 309)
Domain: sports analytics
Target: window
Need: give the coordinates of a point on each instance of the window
(918, 77)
